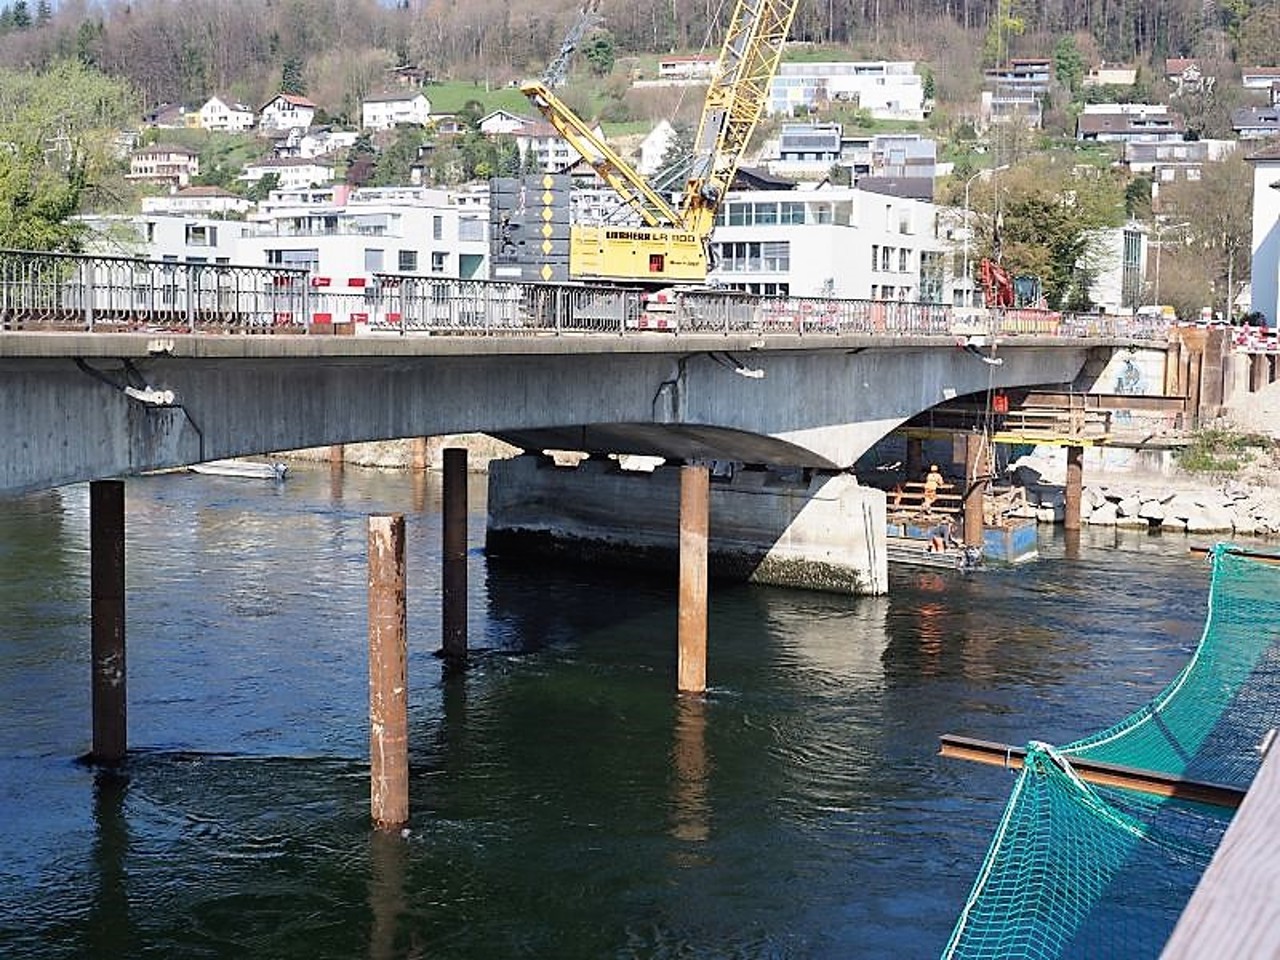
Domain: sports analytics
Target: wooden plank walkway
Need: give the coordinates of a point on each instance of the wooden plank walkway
(1235, 910)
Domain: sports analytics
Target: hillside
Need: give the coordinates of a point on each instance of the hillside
(337, 51)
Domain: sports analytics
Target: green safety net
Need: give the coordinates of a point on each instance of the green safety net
(1082, 871)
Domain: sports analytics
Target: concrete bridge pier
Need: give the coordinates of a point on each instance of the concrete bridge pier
(107, 599)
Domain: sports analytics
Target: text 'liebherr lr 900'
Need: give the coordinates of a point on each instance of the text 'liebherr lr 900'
(671, 244)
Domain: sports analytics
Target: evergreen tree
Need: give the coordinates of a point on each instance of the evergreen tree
(1068, 65)
(44, 13)
(291, 80)
(599, 52)
(21, 15)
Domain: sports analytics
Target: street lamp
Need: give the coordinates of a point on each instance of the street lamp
(968, 230)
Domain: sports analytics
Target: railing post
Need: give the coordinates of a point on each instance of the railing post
(90, 294)
(306, 302)
(188, 272)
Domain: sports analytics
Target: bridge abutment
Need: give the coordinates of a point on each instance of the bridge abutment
(805, 529)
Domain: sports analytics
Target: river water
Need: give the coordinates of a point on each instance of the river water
(565, 803)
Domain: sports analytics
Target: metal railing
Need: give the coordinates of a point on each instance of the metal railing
(56, 291)
(71, 292)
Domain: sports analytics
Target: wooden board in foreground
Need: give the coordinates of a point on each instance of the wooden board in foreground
(1235, 909)
(1091, 771)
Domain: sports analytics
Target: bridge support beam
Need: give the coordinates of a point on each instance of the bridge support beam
(1075, 488)
(388, 674)
(454, 572)
(695, 511)
(106, 588)
(975, 487)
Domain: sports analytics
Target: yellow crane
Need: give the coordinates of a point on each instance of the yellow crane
(671, 244)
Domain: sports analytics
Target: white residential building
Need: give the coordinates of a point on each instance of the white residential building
(890, 90)
(386, 111)
(504, 121)
(1266, 233)
(164, 164)
(226, 115)
(832, 241)
(654, 147)
(185, 239)
(551, 152)
(694, 67)
(286, 111)
(197, 201)
(291, 173)
(325, 142)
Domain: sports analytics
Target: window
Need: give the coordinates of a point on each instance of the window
(755, 257)
(438, 261)
(792, 212)
(766, 213)
(738, 215)
(201, 235)
(407, 261)
(904, 260)
(437, 228)
(372, 260)
(776, 256)
(886, 258)
(300, 259)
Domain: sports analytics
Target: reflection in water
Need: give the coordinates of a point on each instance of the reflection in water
(1071, 544)
(109, 932)
(691, 816)
(387, 860)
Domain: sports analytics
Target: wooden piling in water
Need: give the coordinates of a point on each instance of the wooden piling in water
(974, 491)
(454, 573)
(388, 674)
(1075, 488)
(107, 598)
(695, 493)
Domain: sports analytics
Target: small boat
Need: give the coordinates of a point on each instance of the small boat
(245, 469)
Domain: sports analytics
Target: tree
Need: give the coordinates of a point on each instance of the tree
(21, 15)
(1218, 209)
(599, 52)
(44, 13)
(1005, 23)
(1042, 219)
(261, 188)
(396, 161)
(1068, 65)
(59, 128)
(291, 80)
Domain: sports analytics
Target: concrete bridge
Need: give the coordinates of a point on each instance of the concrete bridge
(113, 367)
(81, 406)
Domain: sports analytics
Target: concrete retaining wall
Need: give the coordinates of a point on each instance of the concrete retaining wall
(821, 532)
